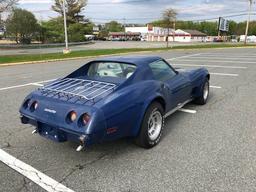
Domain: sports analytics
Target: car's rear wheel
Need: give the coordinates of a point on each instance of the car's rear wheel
(204, 93)
(152, 126)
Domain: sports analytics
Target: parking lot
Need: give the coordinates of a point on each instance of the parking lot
(204, 148)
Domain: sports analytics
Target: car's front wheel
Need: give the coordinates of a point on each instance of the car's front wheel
(152, 126)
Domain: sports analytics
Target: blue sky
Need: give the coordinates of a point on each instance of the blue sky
(143, 11)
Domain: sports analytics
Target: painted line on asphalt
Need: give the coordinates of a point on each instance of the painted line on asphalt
(25, 85)
(187, 110)
(225, 74)
(214, 66)
(37, 84)
(218, 61)
(215, 87)
(185, 56)
(227, 57)
(16, 86)
(31, 173)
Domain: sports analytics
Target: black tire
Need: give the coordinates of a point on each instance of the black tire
(143, 139)
(202, 99)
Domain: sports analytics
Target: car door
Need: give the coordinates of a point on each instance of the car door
(176, 85)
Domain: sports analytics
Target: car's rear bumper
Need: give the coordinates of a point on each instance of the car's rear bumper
(55, 133)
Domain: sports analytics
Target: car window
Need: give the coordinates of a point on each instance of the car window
(161, 70)
(111, 69)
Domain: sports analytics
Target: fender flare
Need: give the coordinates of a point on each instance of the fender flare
(145, 106)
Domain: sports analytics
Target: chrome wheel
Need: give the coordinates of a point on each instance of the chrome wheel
(206, 91)
(155, 124)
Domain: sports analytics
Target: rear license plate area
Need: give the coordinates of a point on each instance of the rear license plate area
(51, 132)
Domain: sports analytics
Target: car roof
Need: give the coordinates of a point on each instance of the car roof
(136, 60)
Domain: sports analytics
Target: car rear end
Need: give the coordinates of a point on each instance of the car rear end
(65, 110)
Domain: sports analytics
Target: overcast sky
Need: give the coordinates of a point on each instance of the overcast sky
(143, 11)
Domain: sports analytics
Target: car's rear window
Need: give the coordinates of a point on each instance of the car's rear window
(111, 69)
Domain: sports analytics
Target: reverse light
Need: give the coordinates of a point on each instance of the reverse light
(85, 118)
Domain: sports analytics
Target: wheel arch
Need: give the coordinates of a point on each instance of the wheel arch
(160, 100)
(157, 98)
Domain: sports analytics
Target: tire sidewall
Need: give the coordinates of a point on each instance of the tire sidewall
(208, 84)
(152, 108)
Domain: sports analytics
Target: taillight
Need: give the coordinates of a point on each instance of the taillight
(34, 106)
(85, 118)
(72, 116)
(26, 104)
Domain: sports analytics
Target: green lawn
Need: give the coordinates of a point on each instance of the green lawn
(87, 53)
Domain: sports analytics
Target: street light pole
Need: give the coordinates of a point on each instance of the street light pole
(248, 21)
(66, 50)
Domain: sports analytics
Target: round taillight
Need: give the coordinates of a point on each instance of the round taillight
(26, 103)
(72, 116)
(85, 118)
(34, 106)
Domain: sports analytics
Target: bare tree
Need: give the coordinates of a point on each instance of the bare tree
(5, 5)
(169, 19)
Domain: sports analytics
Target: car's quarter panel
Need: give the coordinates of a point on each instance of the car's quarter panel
(124, 109)
(197, 78)
(179, 89)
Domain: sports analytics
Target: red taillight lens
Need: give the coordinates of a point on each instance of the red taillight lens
(34, 106)
(72, 116)
(85, 118)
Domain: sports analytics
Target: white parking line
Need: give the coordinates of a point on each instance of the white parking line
(227, 55)
(31, 173)
(27, 84)
(215, 87)
(220, 61)
(223, 58)
(187, 110)
(225, 74)
(37, 84)
(185, 56)
(214, 66)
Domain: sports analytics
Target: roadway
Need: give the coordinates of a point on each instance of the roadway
(93, 46)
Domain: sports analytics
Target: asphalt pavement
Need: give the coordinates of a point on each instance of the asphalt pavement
(213, 149)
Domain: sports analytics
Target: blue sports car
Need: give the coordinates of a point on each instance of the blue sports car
(114, 97)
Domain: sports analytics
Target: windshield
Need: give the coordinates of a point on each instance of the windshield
(111, 69)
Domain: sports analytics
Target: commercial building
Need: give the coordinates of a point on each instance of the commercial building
(150, 33)
(177, 36)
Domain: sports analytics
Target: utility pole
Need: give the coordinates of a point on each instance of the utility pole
(124, 24)
(248, 21)
(66, 50)
(174, 29)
